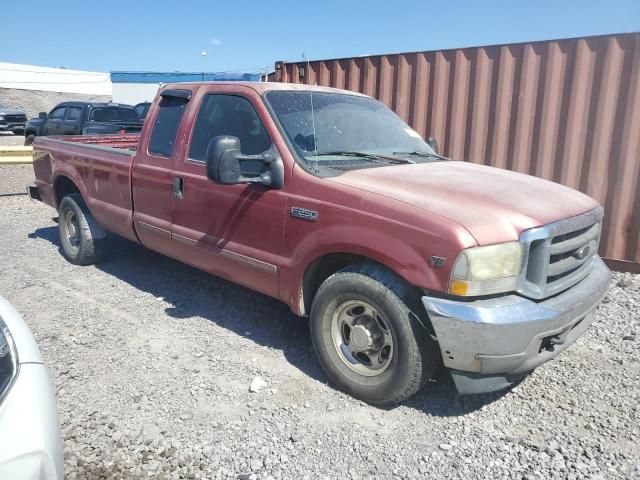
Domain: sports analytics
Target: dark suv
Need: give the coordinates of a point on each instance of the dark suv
(12, 120)
(84, 118)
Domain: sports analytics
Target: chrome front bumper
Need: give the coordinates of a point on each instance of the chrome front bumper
(489, 344)
(10, 127)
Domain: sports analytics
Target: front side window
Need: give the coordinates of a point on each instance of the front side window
(58, 113)
(228, 115)
(165, 127)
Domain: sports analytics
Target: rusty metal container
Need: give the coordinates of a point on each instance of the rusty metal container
(564, 110)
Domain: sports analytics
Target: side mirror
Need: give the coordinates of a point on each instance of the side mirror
(43, 115)
(228, 166)
(433, 143)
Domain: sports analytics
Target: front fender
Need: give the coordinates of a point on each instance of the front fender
(400, 249)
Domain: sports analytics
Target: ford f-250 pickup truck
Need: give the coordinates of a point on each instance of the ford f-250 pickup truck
(328, 201)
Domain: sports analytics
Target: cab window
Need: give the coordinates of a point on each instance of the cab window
(165, 126)
(74, 113)
(228, 115)
(58, 113)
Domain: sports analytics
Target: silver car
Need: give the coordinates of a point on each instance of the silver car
(30, 438)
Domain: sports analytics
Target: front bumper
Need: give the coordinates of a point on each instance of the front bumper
(489, 344)
(12, 127)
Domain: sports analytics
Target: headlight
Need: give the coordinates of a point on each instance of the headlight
(486, 270)
(1, 118)
(8, 360)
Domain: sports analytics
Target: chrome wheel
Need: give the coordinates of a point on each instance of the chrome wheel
(71, 231)
(362, 337)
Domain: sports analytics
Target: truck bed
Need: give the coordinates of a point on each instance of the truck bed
(127, 142)
(99, 165)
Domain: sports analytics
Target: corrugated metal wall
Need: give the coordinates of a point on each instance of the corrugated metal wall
(566, 110)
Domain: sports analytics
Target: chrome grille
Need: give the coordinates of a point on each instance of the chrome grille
(559, 255)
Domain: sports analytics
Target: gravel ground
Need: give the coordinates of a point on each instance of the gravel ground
(152, 363)
(8, 139)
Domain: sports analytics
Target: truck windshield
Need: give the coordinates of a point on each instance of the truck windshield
(114, 114)
(346, 132)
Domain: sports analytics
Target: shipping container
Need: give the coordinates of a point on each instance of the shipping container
(565, 110)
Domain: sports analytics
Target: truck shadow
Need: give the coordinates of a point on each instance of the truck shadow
(268, 322)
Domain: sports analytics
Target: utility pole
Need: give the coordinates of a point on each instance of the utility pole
(204, 63)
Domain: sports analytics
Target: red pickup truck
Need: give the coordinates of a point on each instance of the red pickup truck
(325, 199)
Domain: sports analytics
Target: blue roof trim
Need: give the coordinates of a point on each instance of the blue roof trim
(176, 77)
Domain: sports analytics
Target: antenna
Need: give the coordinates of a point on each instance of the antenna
(313, 115)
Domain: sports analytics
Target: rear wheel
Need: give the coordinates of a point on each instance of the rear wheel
(368, 335)
(83, 240)
(28, 140)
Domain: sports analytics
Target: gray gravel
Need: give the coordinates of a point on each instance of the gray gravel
(152, 363)
(8, 139)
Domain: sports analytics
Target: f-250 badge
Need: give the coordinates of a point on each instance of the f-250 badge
(438, 261)
(305, 214)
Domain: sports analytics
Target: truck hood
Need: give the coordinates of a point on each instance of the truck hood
(11, 111)
(494, 205)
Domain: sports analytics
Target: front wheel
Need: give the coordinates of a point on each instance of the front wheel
(368, 335)
(28, 140)
(83, 240)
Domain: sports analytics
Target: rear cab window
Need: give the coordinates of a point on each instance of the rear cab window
(114, 114)
(165, 126)
(74, 113)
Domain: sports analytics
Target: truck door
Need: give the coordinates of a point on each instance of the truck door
(52, 125)
(234, 231)
(152, 172)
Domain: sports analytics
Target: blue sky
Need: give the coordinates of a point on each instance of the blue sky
(166, 36)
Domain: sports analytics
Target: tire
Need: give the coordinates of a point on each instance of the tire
(83, 240)
(368, 309)
(28, 140)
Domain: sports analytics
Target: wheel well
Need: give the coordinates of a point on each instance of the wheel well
(321, 269)
(62, 187)
(29, 131)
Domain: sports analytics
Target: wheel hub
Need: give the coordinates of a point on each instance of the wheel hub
(361, 338)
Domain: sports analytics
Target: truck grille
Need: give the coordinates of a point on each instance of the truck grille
(559, 255)
(15, 118)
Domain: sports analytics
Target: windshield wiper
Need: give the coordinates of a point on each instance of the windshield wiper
(420, 154)
(364, 155)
